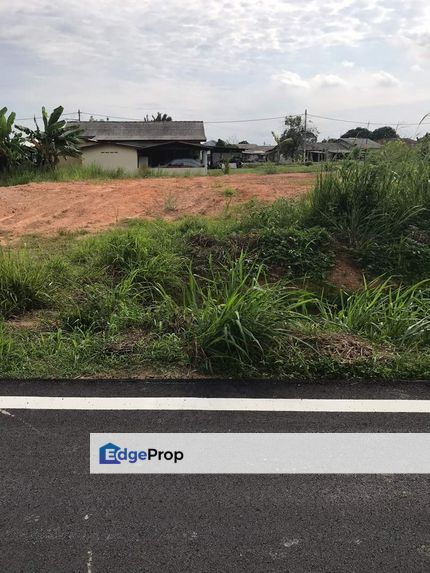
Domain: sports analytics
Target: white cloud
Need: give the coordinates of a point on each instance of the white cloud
(328, 80)
(203, 59)
(291, 79)
(385, 79)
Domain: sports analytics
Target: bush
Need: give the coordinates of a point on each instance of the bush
(408, 257)
(301, 252)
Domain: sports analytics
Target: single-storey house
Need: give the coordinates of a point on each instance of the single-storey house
(341, 148)
(172, 147)
(252, 153)
(331, 150)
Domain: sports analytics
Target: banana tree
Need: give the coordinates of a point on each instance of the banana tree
(55, 140)
(11, 149)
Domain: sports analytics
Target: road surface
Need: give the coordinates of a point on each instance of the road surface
(56, 517)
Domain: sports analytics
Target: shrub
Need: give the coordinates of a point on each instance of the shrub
(301, 252)
(408, 257)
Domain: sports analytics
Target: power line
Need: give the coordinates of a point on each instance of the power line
(249, 120)
(40, 117)
(398, 124)
(211, 122)
(230, 121)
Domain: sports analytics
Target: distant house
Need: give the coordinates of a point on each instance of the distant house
(330, 150)
(221, 153)
(252, 152)
(131, 145)
(240, 152)
(341, 148)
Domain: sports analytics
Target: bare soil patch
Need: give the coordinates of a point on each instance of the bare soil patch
(47, 208)
(346, 274)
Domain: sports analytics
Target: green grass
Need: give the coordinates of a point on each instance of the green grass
(24, 285)
(385, 313)
(65, 173)
(249, 293)
(380, 211)
(273, 169)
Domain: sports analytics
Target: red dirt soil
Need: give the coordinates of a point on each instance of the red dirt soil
(47, 208)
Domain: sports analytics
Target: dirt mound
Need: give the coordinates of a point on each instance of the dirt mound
(47, 208)
(346, 274)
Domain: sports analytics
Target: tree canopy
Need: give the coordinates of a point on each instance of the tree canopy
(159, 117)
(294, 135)
(55, 140)
(385, 132)
(361, 132)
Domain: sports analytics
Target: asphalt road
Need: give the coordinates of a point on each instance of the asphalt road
(56, 517)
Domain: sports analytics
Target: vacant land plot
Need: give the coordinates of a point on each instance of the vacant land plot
(47, 208)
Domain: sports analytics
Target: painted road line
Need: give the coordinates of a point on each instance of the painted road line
(213, 404)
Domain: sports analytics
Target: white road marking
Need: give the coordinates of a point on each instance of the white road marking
(90, 561)
(212, 404)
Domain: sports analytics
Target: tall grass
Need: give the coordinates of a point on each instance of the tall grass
(361, 202)
(379, 210)
(61, 173)
(235, 319)
(24, 284)
(148, 254)
(387, 313)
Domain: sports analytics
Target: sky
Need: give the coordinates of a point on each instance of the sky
(214, 60)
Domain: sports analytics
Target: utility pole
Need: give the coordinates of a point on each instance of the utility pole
(304, 135)
(79, 115)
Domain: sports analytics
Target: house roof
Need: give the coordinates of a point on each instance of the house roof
(142, 130)
(336, 146)
(258, 150)
(360, 142)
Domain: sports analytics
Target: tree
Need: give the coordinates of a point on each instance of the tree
(360, 132)
(159, 117)
(56, 140)
(222, 143)
(11, 149)
(385, 132)
(294, 136)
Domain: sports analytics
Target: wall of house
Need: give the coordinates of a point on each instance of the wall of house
(70, 161)
(111, 157)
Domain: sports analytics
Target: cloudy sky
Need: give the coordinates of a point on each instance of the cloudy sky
(357, 60)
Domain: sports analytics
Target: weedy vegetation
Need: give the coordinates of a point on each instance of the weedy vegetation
(250, 293)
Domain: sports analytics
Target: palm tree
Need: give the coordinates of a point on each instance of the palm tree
(159, 117)
(56, 140)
